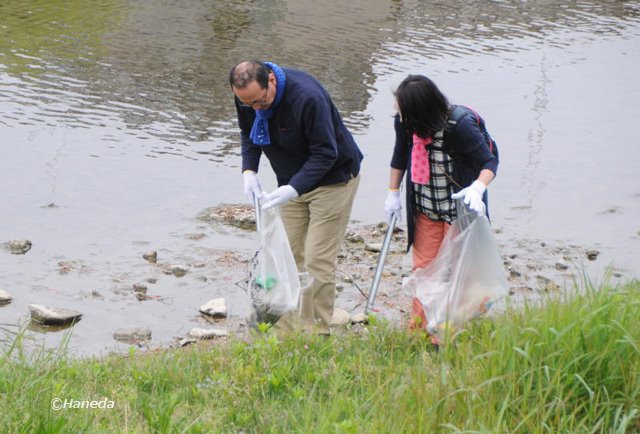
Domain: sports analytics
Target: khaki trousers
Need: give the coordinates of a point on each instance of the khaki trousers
(315, 224)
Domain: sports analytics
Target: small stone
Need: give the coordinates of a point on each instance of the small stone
(135, 334)
(5, 298)
(151, 256)
(19, 247)
(612, 210)
(543, 279)
(139, 287)
(592, 255)
(373, 247)
(200, 333)
(561, 266)
(241, 216)
(53, 316)
(178, 270)
(140, 291)
(547, 284)
(340, 317)
(359, 318)
(216, 308)
(352, 237)
(195, 237)
(377, 247)
(66, 267)
(187, 341)
(398, 230)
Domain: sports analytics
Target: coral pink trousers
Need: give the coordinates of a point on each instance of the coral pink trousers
(427, 240)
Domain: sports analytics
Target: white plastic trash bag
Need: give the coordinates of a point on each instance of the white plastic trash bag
(465, 278)
(273, 281)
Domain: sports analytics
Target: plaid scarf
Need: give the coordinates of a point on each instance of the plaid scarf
(434, 197)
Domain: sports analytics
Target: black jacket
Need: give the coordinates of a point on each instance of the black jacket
(466, 140)
(310, 145)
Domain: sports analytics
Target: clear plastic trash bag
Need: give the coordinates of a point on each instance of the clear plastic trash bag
(465, 278)
(274, 284)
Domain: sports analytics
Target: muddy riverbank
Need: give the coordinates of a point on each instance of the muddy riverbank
(160, 290)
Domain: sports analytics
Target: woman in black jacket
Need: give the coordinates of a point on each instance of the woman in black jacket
(447, 154)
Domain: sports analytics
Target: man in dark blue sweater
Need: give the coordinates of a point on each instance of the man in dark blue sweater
(289, 116)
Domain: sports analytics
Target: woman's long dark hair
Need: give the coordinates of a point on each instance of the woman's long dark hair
(423, 107)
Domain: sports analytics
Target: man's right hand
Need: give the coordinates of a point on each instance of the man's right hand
(251, 185)
(393, 205)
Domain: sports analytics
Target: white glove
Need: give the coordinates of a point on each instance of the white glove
(472, 196)
(251, 185)
(279, 196)
(393, 205)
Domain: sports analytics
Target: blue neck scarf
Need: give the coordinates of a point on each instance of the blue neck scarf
(260, 130)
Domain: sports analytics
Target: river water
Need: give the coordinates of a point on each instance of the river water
(117, 129)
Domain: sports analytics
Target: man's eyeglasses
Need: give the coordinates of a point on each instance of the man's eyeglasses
(259, 101)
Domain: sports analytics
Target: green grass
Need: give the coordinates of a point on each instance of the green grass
(570, 365)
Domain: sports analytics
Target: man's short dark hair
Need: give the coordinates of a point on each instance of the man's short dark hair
(245, 72)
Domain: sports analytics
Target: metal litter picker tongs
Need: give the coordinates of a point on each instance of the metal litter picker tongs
(256, 203)
(381, 258)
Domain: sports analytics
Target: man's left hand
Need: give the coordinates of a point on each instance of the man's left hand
(279, 196)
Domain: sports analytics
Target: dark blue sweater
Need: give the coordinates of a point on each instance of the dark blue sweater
(310, 145)
(466, 142)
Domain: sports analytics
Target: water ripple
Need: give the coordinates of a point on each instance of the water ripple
(159, 68)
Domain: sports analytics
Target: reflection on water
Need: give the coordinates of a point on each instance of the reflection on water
(160, 67)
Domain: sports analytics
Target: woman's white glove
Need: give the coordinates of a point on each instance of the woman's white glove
(393, 205)
(251, 185)
(472, 196)
(279, 196)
